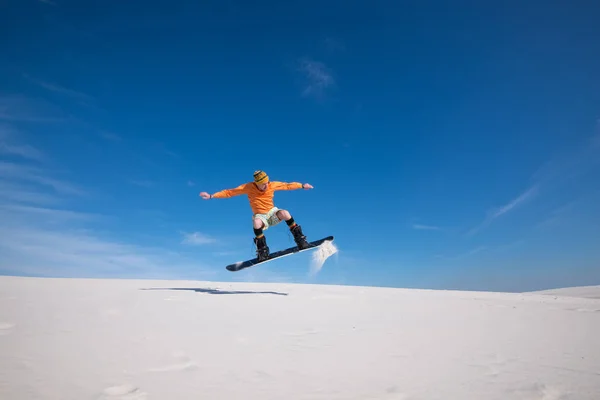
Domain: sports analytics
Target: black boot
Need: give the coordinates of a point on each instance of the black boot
(299, 237)
(262, 250)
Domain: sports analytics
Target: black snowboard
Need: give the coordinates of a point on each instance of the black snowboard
(286, 252)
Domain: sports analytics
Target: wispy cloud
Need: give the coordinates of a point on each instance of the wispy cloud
(24, 151)
(197, 238)
(19, 173)
(318, 77)
(514, 203)
(77, 252)
(42, 234)
(11, 193)
(553, 176)
(578, 211)
(9, 145)
(497, 212)
(16, 108)
(477, 250)
(426, 227)
(53, 87)
(560, 214)
(162, 148)
(571, 165)
(49, 214)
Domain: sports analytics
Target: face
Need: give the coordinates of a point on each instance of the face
(262, 186)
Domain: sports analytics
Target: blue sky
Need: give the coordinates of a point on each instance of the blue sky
(449, 146)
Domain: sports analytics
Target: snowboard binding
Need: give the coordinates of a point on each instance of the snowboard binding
(262, 250)
(299, 238)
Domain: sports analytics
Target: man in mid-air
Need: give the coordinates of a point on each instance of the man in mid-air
(260, 193)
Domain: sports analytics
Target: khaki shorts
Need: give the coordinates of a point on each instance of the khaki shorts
(269, 219)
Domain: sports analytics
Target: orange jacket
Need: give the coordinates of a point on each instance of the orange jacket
(260, 202)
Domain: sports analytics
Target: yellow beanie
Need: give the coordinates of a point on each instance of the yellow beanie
(260, 177)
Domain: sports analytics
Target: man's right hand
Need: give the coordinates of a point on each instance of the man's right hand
(205, 195)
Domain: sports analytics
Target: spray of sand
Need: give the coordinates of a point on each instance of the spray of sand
(321, 254)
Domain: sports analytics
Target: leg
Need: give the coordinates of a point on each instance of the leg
(259, 225)
(262, 250)
(284, 215)
(296, 230)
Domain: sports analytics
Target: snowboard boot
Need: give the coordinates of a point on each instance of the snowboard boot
(262, 250)
(299, 237)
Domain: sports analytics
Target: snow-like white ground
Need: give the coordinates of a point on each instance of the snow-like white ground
(174, 340)
(591, 292)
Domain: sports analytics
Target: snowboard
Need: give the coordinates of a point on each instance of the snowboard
(277, 254)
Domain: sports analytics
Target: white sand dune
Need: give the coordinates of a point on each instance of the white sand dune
(590, 292)
(134, 339)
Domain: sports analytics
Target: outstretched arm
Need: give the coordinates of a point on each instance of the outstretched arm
(242, 189)
(290, 186)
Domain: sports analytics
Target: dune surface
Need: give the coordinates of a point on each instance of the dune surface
(591, 292)
(147, 339)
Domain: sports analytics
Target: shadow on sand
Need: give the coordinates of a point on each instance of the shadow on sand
(217, 291)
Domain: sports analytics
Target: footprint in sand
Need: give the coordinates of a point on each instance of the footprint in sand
(122, 392)
(6, 327)
(181, 362)
(539, 391)
(492, 364)
(302, 333)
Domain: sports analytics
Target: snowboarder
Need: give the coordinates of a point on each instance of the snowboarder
(260, 193)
